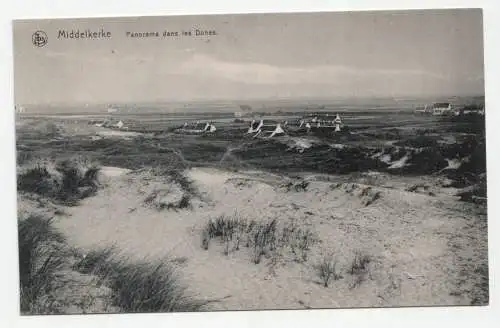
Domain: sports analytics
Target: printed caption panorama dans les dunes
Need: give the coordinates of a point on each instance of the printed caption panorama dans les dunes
(102, 34)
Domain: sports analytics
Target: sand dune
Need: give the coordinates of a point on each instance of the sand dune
(420, 244)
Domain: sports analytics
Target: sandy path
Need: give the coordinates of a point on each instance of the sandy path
(410, 237)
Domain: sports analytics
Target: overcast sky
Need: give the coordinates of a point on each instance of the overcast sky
(325, 55)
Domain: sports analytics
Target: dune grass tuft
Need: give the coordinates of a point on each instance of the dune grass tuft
(327, 270)
(40, 259)
(268, 238)
(140, 286)
(359, 268)
(65, 181)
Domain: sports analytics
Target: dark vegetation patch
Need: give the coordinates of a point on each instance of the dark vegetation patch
(275, 155)
(41, 258)
(476, 193)
(386, 135)
(480, 295)
(425, 161)
(420, 141)
(66, 181)
(178, 192)
(297, 186)
(468, 123)
(396, 153)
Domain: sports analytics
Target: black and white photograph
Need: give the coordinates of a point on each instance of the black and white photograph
(256, 161)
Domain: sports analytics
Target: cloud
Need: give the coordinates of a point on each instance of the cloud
(105, 57)
(257, 73)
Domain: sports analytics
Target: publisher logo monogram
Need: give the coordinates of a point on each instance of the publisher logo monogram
(39, 38)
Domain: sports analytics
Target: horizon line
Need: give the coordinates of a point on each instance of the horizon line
(243, 100)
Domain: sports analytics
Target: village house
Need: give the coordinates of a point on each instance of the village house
(441, 109)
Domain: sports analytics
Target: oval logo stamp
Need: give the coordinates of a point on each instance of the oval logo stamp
(39, 38)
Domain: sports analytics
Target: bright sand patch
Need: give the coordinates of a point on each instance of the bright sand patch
(116, 133)
(406, 234)
(111, 171)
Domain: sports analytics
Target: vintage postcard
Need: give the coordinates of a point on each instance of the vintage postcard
(251, 161)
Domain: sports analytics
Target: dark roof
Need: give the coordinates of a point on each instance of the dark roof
(440, 105)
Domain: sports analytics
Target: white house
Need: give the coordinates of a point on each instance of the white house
(423, 110)
(441, 109)
(253, 128)
(337, 120)
(277, 131)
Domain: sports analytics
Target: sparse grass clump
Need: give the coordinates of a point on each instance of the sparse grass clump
(262, 238)
(230, 230)
(183, 181)
(297, 187)
(359, 268)
(183, 203)
(416, 187)
(40, 259)
(360, 263)
(300, 241)
(476, 193)
(177, 185)
(327, 270)
(140, 286)
(366, 191)
(480, 294)
(374, 197)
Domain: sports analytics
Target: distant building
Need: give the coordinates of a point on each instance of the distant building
(439, 109)
(196, 128)
(470, 109)
(255, 126)
(423, 109)
(277, 131)
(321, 121)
